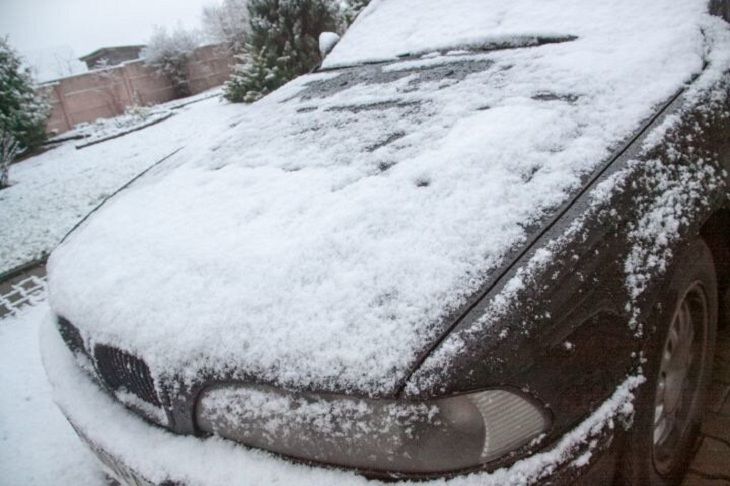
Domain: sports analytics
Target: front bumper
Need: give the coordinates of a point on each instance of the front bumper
(135, 452)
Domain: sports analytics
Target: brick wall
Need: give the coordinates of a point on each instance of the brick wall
(106, 93)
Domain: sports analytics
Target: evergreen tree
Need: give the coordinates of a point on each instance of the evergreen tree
(252, 79)
(23, 113)
(351, 9)
(283, 43)
(8, 151)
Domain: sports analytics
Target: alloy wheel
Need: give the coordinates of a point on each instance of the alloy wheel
(683, 358)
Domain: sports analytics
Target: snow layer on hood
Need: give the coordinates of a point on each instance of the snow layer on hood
(675, 188)
(322, 240)
(388, 29)
(160, 455)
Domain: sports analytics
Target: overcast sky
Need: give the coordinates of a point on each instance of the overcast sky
(36, 26)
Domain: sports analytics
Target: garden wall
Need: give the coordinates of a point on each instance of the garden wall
(108, 92)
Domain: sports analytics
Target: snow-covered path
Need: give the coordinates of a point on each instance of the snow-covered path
(37, 445)
(52, 191)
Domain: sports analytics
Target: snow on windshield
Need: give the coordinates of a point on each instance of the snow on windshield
(388, 29)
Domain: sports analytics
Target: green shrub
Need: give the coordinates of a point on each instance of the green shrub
(283, 43)
(23, 112)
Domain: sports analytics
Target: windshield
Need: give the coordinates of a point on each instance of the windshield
(392, 29)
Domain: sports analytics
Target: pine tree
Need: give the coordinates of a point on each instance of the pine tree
(251, 79)
(283, 44)
(351, 9)
(8, 151)
(23, 113)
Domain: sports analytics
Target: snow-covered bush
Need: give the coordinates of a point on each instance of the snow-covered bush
(169, 54)
(23, 112)
(227, 23)
(283, 43)
(8, 151)
(252, 78)
(133, 116)
(350, 9)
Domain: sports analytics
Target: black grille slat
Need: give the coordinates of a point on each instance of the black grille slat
(71, 336)
(121, 370)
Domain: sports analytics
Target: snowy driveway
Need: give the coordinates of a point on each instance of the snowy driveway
(51, 192)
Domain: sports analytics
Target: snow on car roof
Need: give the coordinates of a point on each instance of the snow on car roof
(324, 239)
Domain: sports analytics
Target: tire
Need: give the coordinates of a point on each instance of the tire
(670, 405)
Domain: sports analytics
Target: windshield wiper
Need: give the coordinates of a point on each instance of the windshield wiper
(487, 45)
(494, 44)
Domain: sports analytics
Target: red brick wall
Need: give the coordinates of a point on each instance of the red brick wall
(106, 93)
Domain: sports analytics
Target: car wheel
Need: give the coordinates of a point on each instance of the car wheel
(670, 405)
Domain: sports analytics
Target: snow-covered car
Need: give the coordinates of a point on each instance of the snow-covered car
(486, 241)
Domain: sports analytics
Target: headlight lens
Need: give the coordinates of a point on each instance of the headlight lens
(439, 436)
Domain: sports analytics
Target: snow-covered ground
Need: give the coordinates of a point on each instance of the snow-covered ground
(37, 445)
(51, 192)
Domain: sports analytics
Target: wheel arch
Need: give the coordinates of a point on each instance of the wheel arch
(716, 234)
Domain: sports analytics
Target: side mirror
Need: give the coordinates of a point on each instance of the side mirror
(327, 42)
(721, 8)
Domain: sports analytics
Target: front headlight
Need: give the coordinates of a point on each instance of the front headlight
(385, 435)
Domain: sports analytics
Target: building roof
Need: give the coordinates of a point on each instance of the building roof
(103, 50)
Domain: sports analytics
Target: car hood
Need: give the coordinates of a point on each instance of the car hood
(324, 240)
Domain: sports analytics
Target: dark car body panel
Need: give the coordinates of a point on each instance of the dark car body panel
(579, 298)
